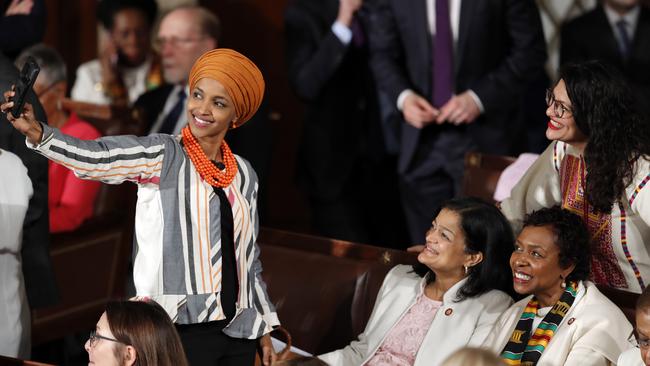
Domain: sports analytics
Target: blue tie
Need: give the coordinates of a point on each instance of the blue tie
(624, 43)
(172, 117)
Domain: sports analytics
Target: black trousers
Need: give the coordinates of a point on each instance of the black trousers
(206, 344)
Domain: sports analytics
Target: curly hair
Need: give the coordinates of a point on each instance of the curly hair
(486, 230)
(606, 111)
(571, 237)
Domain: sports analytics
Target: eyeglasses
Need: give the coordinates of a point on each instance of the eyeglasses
(94, 338)
(558, 108)
(642, 342)
(160, 42)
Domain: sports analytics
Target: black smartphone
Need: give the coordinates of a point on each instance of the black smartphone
(24, 83)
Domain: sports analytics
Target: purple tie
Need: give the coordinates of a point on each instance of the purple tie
(358, 36)
(443, 69)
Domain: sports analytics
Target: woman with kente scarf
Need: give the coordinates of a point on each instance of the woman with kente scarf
(565, 320)
(196, 215)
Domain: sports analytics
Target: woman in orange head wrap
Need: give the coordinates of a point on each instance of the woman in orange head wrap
(196, 216)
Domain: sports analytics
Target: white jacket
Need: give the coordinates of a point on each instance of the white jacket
(455, 325)
(593, 332)
(631, 357)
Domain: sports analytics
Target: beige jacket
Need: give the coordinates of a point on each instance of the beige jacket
(456, 324)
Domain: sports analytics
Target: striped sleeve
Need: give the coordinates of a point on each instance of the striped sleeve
(111, 159)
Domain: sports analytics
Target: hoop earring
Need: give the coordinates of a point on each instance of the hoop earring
(466, 269)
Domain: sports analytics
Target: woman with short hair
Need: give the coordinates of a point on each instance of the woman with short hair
(564, 319)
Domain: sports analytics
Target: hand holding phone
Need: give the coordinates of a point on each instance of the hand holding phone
(25, 82)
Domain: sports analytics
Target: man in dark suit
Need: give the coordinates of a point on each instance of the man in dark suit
(341, 147)
(40, 283)
(456, 71)
(616, 32)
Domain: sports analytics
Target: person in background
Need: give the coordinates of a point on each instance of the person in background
(30, 16)
(596, 166)
(40, 282)
(457, 72)
(127, 66)
(135, 333)
(449, 300)
(196, 222)
(15, 193)
(640, 355)
(616, 32)
(327, 56)
(564, 319)
(70, 199)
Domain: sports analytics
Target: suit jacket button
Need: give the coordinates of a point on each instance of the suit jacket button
(571, 321)
(448, 311)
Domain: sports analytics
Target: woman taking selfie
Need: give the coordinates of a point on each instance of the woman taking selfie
(196, 215)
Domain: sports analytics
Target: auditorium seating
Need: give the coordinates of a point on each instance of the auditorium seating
(482, 172)
(324, 289)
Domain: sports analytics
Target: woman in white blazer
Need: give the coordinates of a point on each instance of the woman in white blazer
(565, 320)
(449, 300)
(639, 355)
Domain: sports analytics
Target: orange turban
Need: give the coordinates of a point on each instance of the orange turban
(239, 75)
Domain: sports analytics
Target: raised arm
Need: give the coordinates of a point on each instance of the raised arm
(112, 160)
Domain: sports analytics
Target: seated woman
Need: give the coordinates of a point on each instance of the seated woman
(640, 355)
(597, 167)
(70, 199)
(449, 300)
(127, 66)
(135, 333)
(565, 320)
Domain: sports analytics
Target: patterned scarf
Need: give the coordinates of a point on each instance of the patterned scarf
(524, 349)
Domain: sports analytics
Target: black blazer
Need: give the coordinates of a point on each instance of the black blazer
(590, 36)
(500, 48)
(40, 283)
(334, 81)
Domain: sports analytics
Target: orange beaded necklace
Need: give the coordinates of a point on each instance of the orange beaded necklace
(205, 167)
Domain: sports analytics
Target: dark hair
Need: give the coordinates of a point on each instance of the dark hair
(643, 302)
(571, 237)
(605, 110)
(146, 327)
(486, 230)
(107, 9)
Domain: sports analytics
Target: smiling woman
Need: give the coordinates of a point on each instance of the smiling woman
(196, 216)
(451, 300)
(598, 167)
(565, 320)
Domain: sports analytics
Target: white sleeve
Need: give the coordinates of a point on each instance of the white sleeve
(538, 188)
(86, 88)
